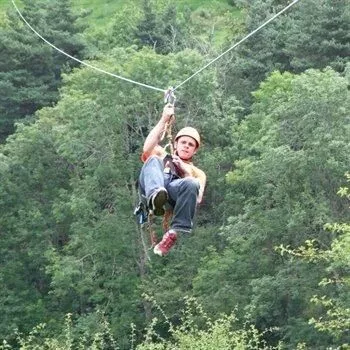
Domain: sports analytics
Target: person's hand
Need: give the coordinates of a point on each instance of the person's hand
(180, 165)
(200, 197)
(168, 115)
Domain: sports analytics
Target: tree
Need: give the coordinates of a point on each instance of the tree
(32, 174)
(333, 316)
(105, 150)
(319, 36)
(91, 257)
(162, 29)
(292, 156)
(307, 36)
(195, 329)
(30, 69)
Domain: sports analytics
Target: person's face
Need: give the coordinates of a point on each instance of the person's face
(186, 147)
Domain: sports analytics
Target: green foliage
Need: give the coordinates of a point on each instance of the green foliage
(335, 315)
(120, 31)
(169, 27)
(90, 256)
(319, 35)
(69, 243)
(293, 153)
(101, 15)
(30, 69)
(161, 28)
(335, 321)
(31, 176)
(307, 36)
(197, 330)
(37, 339)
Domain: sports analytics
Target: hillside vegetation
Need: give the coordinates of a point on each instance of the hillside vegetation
(102, 12)
(212, 17)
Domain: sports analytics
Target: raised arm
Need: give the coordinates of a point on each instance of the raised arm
(155, 135)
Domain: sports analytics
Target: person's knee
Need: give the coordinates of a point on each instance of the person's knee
(154, 159)
(191, 185)
(152, 165)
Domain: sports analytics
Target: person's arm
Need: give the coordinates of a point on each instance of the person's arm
(155, 135)
(202, 178)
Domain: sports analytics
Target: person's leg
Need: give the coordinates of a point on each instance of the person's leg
(184, 193)
(151, 183)
(151, 176)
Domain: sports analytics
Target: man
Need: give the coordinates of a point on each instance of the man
(172, 179)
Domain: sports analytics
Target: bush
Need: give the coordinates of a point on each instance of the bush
(194, 330)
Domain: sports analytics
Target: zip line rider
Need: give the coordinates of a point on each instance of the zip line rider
(172, 179)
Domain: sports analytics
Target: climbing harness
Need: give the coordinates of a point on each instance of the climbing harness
(142, 84)
(145, 221)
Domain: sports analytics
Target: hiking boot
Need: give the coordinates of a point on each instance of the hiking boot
(167, 242)
(157, 201)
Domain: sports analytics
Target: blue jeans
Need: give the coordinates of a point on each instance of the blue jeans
(182, 193)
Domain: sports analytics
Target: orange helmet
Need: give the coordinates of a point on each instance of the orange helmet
(191, 132)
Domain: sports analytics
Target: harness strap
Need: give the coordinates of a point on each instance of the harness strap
(169, 98)
(151, 230)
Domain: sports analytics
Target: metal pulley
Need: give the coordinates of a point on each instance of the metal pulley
(169, 96)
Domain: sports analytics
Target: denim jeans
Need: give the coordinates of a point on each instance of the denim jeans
(182, 193)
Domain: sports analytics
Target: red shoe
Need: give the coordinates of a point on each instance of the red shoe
(167, 242)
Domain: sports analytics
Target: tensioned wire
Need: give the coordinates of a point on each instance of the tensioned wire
(146, 85)
(238, 43)
(82, 62)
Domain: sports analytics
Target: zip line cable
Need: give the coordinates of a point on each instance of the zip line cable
(238, 43)
(82, 62)
(145, 85)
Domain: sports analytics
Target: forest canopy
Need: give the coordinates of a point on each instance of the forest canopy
(267, 265)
